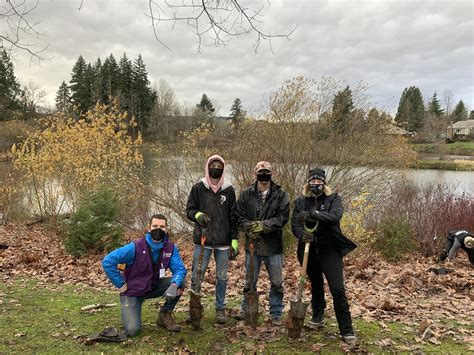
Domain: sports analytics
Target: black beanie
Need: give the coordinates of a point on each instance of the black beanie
(317, 173)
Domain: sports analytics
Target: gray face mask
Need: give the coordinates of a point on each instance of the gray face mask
(316, 189)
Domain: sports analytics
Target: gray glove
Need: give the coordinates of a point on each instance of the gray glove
(307, 237)
(172, 292)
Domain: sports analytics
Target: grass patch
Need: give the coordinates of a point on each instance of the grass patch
(456, 148)
(458, 165)
(49, 317)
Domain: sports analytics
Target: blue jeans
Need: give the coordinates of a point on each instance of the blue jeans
(222, 261)
(273, 264)
(132, 306)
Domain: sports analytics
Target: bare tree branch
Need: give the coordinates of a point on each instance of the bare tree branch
(213, 21)
(17, 27)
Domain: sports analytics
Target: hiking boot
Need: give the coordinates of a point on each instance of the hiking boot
(275, 321)
(166, 320)
(240, 315)
(221, 317)
(316, 322)
(349, 339)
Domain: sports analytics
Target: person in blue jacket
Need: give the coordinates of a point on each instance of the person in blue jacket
(146, 261)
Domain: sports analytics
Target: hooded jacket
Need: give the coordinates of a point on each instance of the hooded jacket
(330, 211)
(219, 206)
(275, 213)
(455, 241)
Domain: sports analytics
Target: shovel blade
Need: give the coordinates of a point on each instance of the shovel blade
(195, 310)
(296, 318)
(251, 308)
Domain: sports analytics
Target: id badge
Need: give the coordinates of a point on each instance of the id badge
(162, 273)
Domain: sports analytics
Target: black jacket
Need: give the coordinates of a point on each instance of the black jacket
(275, 213)
(220, 207)
(460, 235)
(330, 211)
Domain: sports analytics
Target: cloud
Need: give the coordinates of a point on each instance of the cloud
(389, 44)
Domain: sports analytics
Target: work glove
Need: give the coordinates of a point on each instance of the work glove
(303, 216)
(234, 249)
(202, 218)
(171, 292)
(308, 233)
(259, 227)
(253, 236)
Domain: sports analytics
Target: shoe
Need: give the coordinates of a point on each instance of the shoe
(166, 320)
(316, 322)
(240, 315)
(275, 321)
(349, 339)
(221, 317)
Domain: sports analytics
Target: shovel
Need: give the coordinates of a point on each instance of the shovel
(195, 306)
(251, 296)
(298, 307)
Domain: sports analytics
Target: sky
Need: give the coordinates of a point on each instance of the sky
(389, 44)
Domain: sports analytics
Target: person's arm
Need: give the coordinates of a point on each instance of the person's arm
(241, 212)
(296, 227)
(233, 215)
(331, 216)
(452, 252)
(192, 207)
(123, 255)
(177, 268)
(277, 222)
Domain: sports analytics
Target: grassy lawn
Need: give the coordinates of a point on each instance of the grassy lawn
(46, 317)
(456, 148)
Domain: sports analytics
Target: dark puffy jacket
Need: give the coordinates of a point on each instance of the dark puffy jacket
(220, 207)
(275, 213)
(330, 213)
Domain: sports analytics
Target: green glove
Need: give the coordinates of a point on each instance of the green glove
(234, 249)
(256, 227)
(202, 218)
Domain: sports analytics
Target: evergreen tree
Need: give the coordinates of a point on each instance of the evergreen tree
(411, 112)
(237, 113)
(81, 85)
(142, 97)
(471, 115)
(434, 106)
(10, 91)
(98, 87)
(110, 76)
(125, 82)
(460, 112)
(204, 112)
(342, 108)
(63, 98)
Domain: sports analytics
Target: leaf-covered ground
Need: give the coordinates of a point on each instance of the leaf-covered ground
(400, 307)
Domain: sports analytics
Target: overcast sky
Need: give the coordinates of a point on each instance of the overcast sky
(390, 44)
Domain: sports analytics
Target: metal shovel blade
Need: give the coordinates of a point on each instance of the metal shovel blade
(251, 308)
(195, 310)
(296, 318)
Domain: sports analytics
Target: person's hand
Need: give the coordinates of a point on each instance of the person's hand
(307, 237)
(123, 288)
(253, 236)
(234, 249)
(172, 292)
(202, 218)
(303, 216)
(257, 227)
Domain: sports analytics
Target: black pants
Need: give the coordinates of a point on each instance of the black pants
(330, 264)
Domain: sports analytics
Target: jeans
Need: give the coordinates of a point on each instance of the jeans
(273, 264)
(222, 261)
(132, 306)
(330, 264)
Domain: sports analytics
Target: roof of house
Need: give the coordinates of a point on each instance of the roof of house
(464, 124)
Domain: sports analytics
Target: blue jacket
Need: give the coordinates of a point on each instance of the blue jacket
(126, 255)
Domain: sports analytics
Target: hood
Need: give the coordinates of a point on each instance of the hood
(307, 192)
(207, 179)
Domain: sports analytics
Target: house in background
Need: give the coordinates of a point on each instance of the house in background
(460, 129)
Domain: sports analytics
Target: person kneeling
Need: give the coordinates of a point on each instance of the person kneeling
(146, 260)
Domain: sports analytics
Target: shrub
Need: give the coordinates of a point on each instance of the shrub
(93, 227)
(395, 239)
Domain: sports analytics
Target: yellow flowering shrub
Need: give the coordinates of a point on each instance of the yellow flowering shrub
(352, 222)
(70, 157)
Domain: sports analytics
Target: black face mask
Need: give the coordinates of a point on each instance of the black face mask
(157, 234)
(215, 173)
(317, 189)
(264, 177)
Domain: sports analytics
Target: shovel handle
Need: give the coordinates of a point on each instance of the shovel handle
(303, 271)
(199, 274)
